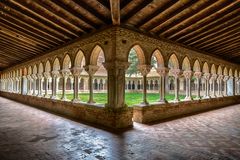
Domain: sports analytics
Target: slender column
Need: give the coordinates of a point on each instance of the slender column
(116, 83)
(91, 70)
(34, 77)
(235, 86)
(144, 69)
(176, 73)
(76, 71)
(46, 78)
(65, 75)
(213, 78)
(55, 75)
(225, 79)
(219, 81)
(39, 76)
(162, 73)
(20, 85)
(206, 77)
(188, 76)
(29, 85)
(198, 75)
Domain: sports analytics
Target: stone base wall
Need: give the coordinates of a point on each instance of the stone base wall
(156, 112)
(80, 111)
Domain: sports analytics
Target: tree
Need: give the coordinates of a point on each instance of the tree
(133, 60)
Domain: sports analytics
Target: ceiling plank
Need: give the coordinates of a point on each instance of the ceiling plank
(135, 10)
(115, 11)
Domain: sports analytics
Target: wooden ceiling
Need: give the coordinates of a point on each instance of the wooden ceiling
(29, 28)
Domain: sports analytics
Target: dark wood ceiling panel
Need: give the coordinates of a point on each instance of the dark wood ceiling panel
(29, 28)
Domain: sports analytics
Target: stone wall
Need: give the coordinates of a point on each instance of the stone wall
(94, 114)
(156, 112)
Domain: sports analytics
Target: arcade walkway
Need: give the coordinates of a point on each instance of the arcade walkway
(27, 133)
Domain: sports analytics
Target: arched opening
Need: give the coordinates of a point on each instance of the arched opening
(186, 81)
(98, 71)
(134, 94)
(66, 79)
(205, 79)
(55, 78)
(47, 80)
(173, 79)
(213, 84)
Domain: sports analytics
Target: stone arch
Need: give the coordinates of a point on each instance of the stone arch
(140, 54)
(56, 65)
(213, 69)
(235, 73)
(48, 66)
(40, 68)
(29, 71)
(79, 59)
(196, 66)
(173, 62)
(35, 69)
(24, 71)
(205, 68)
(225, 71)
(219, 71)
(97, 50)
(66, 62)
(230, 72)
(186, 66)
(160, 61)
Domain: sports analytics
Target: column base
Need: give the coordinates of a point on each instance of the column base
(197, 98)
(176, 100)
(144, 103)
(76, 100)
(64, 99)
(213, 96)
(206, 97)
(188, 99)
(91, 102)
(163, 101)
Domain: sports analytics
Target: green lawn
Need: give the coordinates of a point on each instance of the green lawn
(131, 98)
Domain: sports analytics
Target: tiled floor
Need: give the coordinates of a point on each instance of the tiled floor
(27, 133)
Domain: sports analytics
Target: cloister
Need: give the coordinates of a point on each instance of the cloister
(117, 65)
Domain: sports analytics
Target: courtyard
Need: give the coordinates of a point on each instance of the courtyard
(28, 133)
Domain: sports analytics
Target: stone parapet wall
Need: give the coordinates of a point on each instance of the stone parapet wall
(156, 112)
(80, 111)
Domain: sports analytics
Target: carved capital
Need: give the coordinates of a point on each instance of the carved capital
(225, 78)
(144, 69)
(91, 69)
(117, 68)
(162, 71)
(46, 74)
(39, 75)
(29, 77)
(34, 76)
(175, 72)
(187, 74)
(207, 76)
(76, 71)
(197, 74)
(55, 74)
(214, 76)
(220, 77)
(65, 73)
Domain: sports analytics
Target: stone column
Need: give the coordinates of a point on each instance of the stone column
(206, 77)
(116, 83)
(65, 75)
(213, 78)
(188, 76)
(20, 85)
(176, 73)
(34, 77)
(236, 85)
(219, 82)
(29, 85)
(144, 69)
(39, 76)
(55, 75)
(46, 78)
(91, 70)
(76, 71)
(162, 73)
(198, 75)
(225, 79)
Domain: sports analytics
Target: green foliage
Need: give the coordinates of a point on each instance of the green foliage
(133, 59)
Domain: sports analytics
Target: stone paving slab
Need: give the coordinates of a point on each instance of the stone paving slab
(27, 133)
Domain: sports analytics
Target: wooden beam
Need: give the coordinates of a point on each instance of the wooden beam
(115, 11)
(136, 10)
(124, 3)
(211, 27)
(205, 20)
(156, 26)
(207, 11)
(105, 3)
(156, 13)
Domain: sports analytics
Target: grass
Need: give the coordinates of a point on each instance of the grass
(131, 98)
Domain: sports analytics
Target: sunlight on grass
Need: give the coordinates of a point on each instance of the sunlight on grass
(131, 98)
